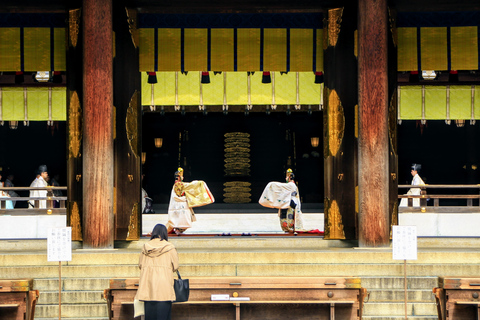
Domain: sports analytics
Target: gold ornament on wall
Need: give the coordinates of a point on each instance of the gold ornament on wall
(131, 123)
(133, 230)
(334, 124)
(334, 24)
(74, 26)
(334, 224)
(74, 125)
(132, 25)
(74, 214)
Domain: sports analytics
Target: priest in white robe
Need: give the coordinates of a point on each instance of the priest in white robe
(416, 181)
(40, 181)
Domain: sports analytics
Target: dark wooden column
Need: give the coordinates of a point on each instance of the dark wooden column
(98, 124)
(74, 120)
(128, 115)
(373, 144)
(340, 142)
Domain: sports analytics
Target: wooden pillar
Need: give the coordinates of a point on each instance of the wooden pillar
(373, 145)
(128, 116)
(340, 142)
(98, 124)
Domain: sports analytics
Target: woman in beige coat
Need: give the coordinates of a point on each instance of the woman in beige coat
(158, 262)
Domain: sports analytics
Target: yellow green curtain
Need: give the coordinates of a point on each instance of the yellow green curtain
(301, 48)
(222, 50)
(196, 49)
(146, 49)
(433, 46)
(436, 107)
(169, 49)
(435, 103)
(37, 99)
(36, 48)
(59, 55)
(410, 103)
(319, 57)
(10, 49)
(464, 48)
(460, 102)
(407, 49)
(236, 90)
(213, 91)
(275, 49)
(248, 49)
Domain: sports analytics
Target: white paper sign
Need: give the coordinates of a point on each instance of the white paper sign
(404, 242)
(59, 244)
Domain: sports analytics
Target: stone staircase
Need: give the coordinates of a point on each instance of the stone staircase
(87, 275)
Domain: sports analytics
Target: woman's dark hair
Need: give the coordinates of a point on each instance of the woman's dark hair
(159, 231)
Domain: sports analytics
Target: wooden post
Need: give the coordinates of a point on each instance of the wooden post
(373, 145)
(98, 124)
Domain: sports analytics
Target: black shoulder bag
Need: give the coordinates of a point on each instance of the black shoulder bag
(182, 289)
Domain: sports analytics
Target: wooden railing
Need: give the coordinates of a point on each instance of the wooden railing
(424, 195)
(22, 210)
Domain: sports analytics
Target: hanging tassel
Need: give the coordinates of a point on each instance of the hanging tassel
(205, 77)
(152, 77)
(453, 76)
(266, 78)
(414, 77)
(19, 77)
(57, 77)
(319, 77)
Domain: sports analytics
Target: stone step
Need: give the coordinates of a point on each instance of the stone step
(71, 297)
(398, 282)
(388, 295)
(399, 317)
(80, 311)
(246, 270)
(398, 309)
(279, 255)
(71, 284)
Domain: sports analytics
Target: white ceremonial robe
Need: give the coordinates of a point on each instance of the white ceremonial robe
(278, 195)
(180, 212)
(38, 182)
(416, 181)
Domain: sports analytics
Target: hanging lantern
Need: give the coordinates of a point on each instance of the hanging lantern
(158, 142)
(314, 141)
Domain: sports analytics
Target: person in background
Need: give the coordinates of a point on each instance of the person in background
(285, 198)
(415, 182)
(158, 261)
(3, 194)
(40, 181)
(9, 184)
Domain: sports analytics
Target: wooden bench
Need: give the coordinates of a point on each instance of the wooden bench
(17, 299)
(458, 298)
(270, 298)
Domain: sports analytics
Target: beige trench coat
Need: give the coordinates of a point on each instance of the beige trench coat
(157, 263)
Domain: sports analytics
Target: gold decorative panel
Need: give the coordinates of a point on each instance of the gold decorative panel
(334, 123)
(132, 25)
(131, 123)
(74, 126)
(75, 222)
(334, 225)
(133, 231)
(334, 24)
(74, 25)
